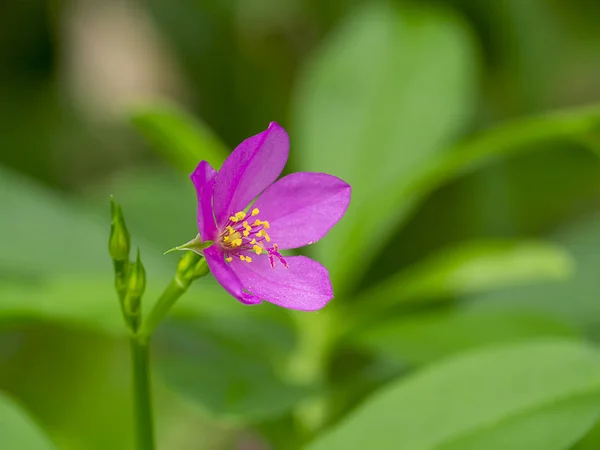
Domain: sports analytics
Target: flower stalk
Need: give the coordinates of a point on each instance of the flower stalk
(130, 285)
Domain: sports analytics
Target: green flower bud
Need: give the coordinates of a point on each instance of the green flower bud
(191, 266)
(135, 290)
(137, 279)
(200, 269)
(119, 242)
(186, 267)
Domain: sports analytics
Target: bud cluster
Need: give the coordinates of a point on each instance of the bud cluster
(130, 276)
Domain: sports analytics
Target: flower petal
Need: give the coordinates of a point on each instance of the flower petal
(227, 277)
(302, 207)
(250, 168)
(204, 181)
(304, 285)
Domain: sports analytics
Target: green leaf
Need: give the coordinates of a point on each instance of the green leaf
(484, 148)
(181, 139)
(374, 104)
(470, 268)
(575, 300)
(557, 427)
(229, 365)
(422, 338)
(509, 391)
(17, 429)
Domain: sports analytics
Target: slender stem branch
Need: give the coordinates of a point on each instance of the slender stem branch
(160, 310)
(142, 399)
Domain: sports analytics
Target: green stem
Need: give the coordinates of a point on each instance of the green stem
(162, 307)
(142, 399)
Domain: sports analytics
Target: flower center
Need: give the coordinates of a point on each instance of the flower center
(242, 235)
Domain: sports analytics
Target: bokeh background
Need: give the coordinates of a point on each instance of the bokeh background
(468, 129)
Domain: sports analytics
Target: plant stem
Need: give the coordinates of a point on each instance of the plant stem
(162, 307)
(142, 399)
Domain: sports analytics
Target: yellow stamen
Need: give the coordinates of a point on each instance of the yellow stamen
(253, 241)
(247, 228)
(248, 259)
(263, 233)
(264, 223)
(242, 257)
(230, 229)
(255, 212)
(237, 216)
(258, 249)
(229, 259)
(236, 242)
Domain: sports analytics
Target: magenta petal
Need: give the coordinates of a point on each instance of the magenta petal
(204, 181)
(302, 207)
(304, 285)
(227, 277)
(250, 168)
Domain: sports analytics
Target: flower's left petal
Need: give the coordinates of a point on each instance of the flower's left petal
(227, 277)
(249, 170)
(204, 181)
(302, 207)
(304, 285)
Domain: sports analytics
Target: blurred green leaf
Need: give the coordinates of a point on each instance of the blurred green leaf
(506, 392)
(144, 191)
(472, 267)
(556, 427)
(44, 233)
(181, 139)
(575, 300)
(229, 366)
(421, 338)
(591, 441)
(470, 155)
(17, 429)
(373, 105)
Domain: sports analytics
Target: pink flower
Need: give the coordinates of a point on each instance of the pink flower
(296, 210)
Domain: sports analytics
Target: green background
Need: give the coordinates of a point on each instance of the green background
(466, 271)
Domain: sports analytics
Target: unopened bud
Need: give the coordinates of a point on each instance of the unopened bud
(137, 278)
(135, 290)
(119, 242)
(186, 267)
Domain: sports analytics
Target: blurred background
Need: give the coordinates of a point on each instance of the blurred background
(466, 127)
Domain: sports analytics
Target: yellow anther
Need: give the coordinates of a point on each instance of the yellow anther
(253, 241)
(263, 233)
(264, 223)
(240, 215)
(242, 257)
(248, 259)
(229, 259)
(230, 229)
(246, 233)
(236, 242)
(255, 212)
(233, 219)
(226, 239)
(258, 249)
